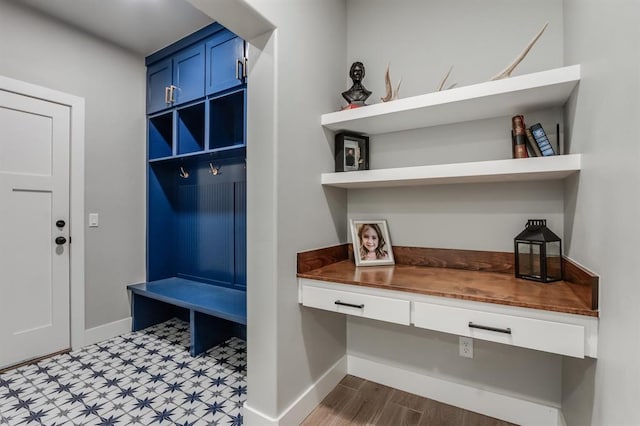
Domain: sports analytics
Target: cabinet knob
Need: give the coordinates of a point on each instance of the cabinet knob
(61, 240)
(60, 223)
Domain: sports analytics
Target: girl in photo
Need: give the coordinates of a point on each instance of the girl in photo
(372, 242)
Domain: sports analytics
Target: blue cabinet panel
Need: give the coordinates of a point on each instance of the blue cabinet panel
(225, 64)
(197, 225)
(188, 75)
(159, 78)
(240, 234)
(205, 228)
(161, 219)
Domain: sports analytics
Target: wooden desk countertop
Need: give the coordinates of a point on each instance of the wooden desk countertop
(461, 274)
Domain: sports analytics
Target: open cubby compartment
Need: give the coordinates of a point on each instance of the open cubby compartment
(160, 135)
(227, 120)
(197, 225)
(190, 128)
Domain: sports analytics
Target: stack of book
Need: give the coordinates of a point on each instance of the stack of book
(530, 141)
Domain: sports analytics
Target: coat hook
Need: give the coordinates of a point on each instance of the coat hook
(183, 174)
(214, 170)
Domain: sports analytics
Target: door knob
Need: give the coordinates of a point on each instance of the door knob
(61, 240)
(60, 223)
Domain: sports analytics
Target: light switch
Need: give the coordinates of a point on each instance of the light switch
(93, 220)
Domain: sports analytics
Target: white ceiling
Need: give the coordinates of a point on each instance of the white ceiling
(142, 26)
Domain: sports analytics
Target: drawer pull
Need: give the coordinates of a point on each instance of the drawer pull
(351, 305)
(486, 327)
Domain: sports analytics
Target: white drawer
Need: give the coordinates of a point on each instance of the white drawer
(362, 305)
(548, 336)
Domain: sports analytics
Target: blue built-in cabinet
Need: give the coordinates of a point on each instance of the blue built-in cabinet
(196, 210)
(176, 80)
(223, 74)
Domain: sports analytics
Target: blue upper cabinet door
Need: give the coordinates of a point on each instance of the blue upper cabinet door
(226, 65)
(188, 75)
(159, 77)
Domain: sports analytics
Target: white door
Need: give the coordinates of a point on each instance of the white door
(34, 195)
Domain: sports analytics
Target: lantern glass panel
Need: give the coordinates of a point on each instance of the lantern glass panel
(529, 258)
(554, 261)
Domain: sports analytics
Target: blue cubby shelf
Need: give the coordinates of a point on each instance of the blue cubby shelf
(227, 119)
(190, 129)
(227, 152)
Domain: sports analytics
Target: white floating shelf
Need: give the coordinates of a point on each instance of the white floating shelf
(512, 170)
(506, 97)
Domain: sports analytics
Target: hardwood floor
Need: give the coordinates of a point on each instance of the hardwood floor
(356, 401)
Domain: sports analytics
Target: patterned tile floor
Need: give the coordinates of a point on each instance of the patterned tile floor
(140, 378)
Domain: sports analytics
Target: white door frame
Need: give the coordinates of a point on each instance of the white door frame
(76, 194)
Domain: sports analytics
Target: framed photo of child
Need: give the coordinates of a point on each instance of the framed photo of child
(371, 242)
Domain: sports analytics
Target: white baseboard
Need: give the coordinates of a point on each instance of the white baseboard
(561, 420)
(107, 331)
(519, 411)
(306, 402)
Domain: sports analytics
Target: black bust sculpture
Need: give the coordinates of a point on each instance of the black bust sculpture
(357, 94)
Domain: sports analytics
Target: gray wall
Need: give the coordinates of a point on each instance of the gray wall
(421, 40)
(295, 75)
(602, 219)
(41, 51)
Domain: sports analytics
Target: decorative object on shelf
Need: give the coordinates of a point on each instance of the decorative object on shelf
(371, 242)
(214, 170)
(357, 94)
(518, 137)
(444, 80)
(538, 253)
(391, 95)
(541, 140)
(351, 151)
(183, 173)
(533, 146)
(509, 69)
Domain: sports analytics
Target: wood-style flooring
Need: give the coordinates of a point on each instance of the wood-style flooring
(356, 401)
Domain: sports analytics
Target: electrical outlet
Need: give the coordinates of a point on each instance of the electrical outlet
(466, 347)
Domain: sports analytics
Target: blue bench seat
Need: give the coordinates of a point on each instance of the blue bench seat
(215, 313)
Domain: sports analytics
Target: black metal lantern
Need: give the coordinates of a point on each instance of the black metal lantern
(538, 253)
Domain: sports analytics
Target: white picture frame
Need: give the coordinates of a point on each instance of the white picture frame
(364, 234)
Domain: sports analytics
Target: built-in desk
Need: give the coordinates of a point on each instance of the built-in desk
(463, 292)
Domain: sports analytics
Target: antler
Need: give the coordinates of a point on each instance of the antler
(444, 79)
(395, 94)
(507, 71)
(387, 83)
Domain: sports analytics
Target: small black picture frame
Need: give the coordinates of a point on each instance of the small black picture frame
(352, 152)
